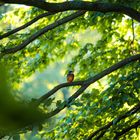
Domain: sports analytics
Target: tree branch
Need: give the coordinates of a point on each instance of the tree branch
(79, 5)
(55, 89)
(101, 135)
(92, 79)
(116, 120)
(25, 25)
(135, 125)
(84, 84)
(42, 31)
(113, 68)
(67, 103)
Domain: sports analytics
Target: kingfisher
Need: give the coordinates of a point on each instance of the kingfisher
(70, 76)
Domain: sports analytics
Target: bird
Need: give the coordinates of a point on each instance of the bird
(70, 76)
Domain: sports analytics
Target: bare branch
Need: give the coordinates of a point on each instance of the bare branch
(135, 125)
(25, 25)
(79, 5)
(116, 120)
(42, 31)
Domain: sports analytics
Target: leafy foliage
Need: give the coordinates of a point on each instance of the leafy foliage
(102, 102)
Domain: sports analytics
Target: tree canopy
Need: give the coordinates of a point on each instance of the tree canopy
(105, 101)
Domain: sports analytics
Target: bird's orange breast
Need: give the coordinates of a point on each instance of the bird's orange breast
(70, 77)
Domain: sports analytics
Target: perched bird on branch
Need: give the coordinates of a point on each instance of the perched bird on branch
(70, 76)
